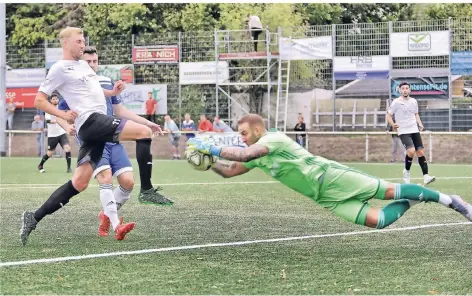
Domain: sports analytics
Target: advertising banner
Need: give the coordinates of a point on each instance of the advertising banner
(434, 43)
(203, 72)
(423, 88)
(223, 139)
(361, 67)
(156, 54)
(23, 97)
(52, 55)
(461, 63)
(316, 48)
(25, 77)
(117, 72)
(134, 97)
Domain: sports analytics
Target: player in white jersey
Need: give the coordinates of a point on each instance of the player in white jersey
(408, 126)
(78, 84)
(56, 135)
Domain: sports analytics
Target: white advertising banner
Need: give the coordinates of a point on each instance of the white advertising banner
(316, 48)
(53, 55)
(25, 77)
(434, 43)
(203, 72)
(361, 67)
(134, 97)
(223, 139)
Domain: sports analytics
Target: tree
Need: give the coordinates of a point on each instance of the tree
(444, 11)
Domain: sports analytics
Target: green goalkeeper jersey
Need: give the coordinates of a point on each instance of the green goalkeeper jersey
(291, 164)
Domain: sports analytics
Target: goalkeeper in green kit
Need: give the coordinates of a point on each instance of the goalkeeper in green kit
(342, 190)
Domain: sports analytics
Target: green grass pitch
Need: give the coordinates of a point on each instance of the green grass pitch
(210, 210)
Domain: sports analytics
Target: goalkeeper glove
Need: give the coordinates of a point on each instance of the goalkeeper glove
(204, 146)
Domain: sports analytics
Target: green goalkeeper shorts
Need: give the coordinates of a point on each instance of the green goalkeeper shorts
(345, 192)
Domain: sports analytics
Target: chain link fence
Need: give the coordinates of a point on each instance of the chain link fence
(358, 104)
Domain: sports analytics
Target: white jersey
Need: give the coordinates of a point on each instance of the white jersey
(54, 129)
(255, 22)
(79, 86)
(405, 111)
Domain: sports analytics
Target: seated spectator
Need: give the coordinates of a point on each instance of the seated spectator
(205, 125)
(220, 126)
(188, 125)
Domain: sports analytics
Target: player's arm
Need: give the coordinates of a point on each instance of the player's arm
(389, 117)
(122, 112)
(48, 119)
(418, 120)
(41, 102)
(69, 128)
(229, 169)
(417, 117)
(243, 154)
(118, 87)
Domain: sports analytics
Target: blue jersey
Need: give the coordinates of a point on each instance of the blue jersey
(189, 124)
(106, 83)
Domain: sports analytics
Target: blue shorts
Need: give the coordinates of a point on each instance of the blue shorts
(114, 157)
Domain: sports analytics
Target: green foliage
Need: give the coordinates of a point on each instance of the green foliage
(444, 11)
(323, 13)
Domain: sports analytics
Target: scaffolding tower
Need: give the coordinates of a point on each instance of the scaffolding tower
(250, 67)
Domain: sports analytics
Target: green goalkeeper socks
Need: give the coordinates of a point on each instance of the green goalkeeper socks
(392, 212)
(419, 193)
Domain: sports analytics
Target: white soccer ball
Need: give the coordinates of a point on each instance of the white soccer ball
(200, 161)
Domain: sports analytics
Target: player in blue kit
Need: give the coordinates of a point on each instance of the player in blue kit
(114, 163)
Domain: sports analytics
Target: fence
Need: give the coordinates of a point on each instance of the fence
(339, 146)
(326, 100)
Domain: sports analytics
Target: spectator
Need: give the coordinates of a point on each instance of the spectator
(38, 125)
(205, 125)
(300, 127)
(255, 26)
(220, 126)
(151, 108)
(174, 135)
(10, 108)
(188, 125)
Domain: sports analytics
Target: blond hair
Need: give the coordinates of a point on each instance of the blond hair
(69, 31)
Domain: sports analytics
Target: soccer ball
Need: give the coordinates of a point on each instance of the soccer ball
(200, 161)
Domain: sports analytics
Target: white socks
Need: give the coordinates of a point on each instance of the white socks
(121, 196)
(109, 204)
(444, 199)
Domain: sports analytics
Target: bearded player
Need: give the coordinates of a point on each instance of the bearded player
(342, 190)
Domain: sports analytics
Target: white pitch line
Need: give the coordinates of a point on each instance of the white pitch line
(52, 186)
(215, 245)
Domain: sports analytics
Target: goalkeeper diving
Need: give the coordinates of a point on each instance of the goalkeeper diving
(342, 190)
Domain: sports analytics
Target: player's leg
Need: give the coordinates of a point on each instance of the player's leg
(52, 144)
(346, 191)
(410, 153)
(89, 155)
(418, 142)
(64, 141)
(109, 214)
(142, 135)
(123, 191)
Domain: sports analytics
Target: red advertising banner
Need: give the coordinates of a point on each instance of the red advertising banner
(22, 97)
(156, 54)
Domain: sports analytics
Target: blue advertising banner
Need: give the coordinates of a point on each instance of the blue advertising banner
(423, 88)
(461, 62)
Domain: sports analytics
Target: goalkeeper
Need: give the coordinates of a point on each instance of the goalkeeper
(336, 187)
